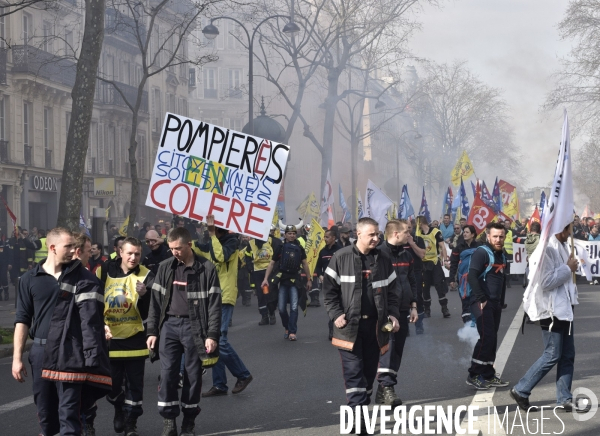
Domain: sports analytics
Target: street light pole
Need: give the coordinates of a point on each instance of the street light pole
(211, 32)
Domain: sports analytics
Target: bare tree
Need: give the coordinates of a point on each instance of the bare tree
(9, 7)
(81, 115)
(463, 113)
(161, 31)
(578, 81)
(585, 171)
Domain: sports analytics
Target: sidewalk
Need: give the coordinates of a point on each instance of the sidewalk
(6, 350)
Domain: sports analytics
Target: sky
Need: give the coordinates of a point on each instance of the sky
(513, 45)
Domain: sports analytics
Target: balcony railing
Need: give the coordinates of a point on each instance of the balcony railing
(28, 59)
(227, 91)
(117, 24)
(3, 52)
(4, 152)
(28, 153)
(107, 94)
(48, 158)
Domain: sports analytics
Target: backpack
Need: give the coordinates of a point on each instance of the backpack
(464, 290)
(291, 258)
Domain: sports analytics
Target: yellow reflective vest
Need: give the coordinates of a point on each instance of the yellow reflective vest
(121, 314)
(431, 250)
(508, 242)
(262, 256)
(226, 270)
(42, 253)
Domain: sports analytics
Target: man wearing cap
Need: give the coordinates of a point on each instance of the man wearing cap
(290, 256)
(344, 240)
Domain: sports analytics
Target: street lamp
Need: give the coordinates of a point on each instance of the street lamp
(211, 32)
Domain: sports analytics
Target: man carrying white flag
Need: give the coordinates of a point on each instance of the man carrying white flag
(377, 204)
(552, 293)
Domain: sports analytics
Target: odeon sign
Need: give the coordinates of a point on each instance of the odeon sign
(44, 183)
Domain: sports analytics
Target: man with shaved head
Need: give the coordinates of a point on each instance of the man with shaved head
(158, 251)
(60, 305)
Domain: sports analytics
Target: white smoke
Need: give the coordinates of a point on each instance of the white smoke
(468, 334)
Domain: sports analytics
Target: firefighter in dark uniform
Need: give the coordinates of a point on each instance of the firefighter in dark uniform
(184, 317)
(127, 290)
(325, 255)
(22, 250)
(359, 288)
(396, 235)
(416, 247)
(60, 305)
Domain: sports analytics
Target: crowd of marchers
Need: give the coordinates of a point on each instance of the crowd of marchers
(96, 315)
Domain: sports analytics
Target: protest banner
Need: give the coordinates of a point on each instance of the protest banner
(202, 169)
(510, 199)
(315, 241)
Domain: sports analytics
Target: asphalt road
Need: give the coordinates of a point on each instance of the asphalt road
(298, 386)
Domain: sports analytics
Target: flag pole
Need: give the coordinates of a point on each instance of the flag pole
(572, 250)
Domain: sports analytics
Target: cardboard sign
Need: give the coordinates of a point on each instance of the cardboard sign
(202, 169)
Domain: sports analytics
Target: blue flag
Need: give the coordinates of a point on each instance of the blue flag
(424, 210)
(542, 204)
(496, 197)
(405, 210)
(82, 225)
(474, 189)
(447, 205)
(347, 215)
(465, 208)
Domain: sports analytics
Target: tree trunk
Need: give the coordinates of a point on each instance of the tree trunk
(135, 184)
(69, 208)
(331, 101)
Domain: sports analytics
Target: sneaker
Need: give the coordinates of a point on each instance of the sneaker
(497, 382)
(214, 392)
(241, 385)
(478, 383)
(272, 319)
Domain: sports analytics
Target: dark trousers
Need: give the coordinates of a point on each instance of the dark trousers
(359, 366)
(265, 307)
(131, 372)
(484, 354)
(58, 403)
(389, 363)
(176, 338)
(466, 308)
(433, 274)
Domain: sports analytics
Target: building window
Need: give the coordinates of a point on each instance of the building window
(48, 42)
(236, 124)
(2, 115)
(235, 82)
(69, 43)
(210, 83)
(27, 145)
(26, 28)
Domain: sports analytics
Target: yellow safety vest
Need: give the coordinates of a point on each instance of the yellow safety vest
(508, 242)
(42, 253)
(262, 256)
(431, 253)
(113, 255)
(121, 314)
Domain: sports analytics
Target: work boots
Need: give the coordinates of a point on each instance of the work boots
(427, 312)
(386, 395)
(314, 298)
(264, 320)
(119, 420)
(187, 426)
(272, 319)
(89, 430)
(131, 426)
(169, 427)
(445, 311)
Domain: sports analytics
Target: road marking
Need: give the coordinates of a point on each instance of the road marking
(484, 399)
(9, 407)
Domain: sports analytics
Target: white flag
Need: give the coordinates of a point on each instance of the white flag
(377, 204)
(557, 215)
(327, 197)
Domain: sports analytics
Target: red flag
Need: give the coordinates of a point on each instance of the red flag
(478, 189)
(11, 214)
(535, 218)
(481, 214)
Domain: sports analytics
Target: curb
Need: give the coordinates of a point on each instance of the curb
(8, 349)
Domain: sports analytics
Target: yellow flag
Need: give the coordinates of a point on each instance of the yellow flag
(512, 207)
(123, 229)
(315, 241)
(106, 212)
(309, 207)
(463, 169)
(276, 223)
